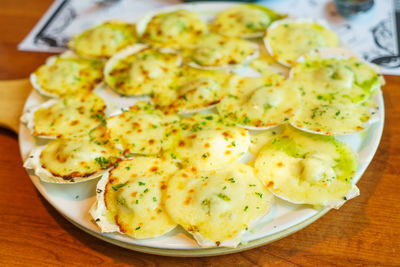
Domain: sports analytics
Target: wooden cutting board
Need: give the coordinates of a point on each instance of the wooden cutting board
(13, 94)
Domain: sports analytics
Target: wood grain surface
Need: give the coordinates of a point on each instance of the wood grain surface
(365, 231)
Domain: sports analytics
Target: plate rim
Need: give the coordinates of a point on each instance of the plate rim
(213, 251)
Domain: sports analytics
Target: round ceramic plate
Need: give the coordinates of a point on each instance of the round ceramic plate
(73, 201)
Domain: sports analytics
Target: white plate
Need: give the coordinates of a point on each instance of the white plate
(73, 201)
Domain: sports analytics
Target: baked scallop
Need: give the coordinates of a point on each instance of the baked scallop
(73, 159)
(244, 21)
(130, 199)
(337, 92)
(288, 39)
(305, 168)
(175, 29)
(69, 116)
(207, 141)
(142, 130)
(104, 40)
(140, 70)
(193, 90)
(67, 74)
(214, 51)
(217, 206)
(260, 103)
(266, 65)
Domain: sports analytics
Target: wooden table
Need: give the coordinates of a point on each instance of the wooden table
(365, 231)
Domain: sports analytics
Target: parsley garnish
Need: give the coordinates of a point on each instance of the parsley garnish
(100, 117)
(102, 161)
(224, 197)
(118, 186)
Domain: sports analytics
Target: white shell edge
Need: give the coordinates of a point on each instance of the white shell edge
(33, 162)
(28, 117)
(98, 211)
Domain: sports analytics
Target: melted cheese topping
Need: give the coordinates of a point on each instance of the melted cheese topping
(193, 89)
(71, 115)
(213, 50)
(259, 140)
(310, 169)
(332, 119)
(208, 142)
(247, 20)
(134, 197)
(142, 130)
(79, 156)
(105, 39)
(265, 64)
(289, 39)
(217, 206)
(334, 92)
(133, 72)
(331, 79)
(68, 75)
(260, 102)
(174, 29)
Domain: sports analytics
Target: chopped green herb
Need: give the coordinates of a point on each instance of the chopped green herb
(246, 208)
(103, 162)
(259, 194)
(224, 197)
(99, 117)
(141, 183)
(118, 186)
(232, 180)
(203, 178)
(233, 96)
(207, 204)
(121, 201)
(250, 25)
